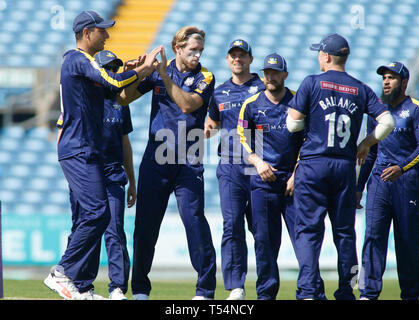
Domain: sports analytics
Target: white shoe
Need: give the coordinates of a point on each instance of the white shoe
(63, 285)
(140, 296)
(364, 298)
(91, 295)
(237, 294)
(117, 294)
(201, 298)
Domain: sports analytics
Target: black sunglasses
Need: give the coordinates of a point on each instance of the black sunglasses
(111, 68)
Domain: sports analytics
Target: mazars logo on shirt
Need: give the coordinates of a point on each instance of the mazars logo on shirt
(263, 127)
(339, 87)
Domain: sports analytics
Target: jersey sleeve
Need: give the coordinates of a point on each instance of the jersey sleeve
(127, 123)
(90, 69)
(147, 84)
(301, 99)
(413, 159)
(204, 85)
(213, 111)
(60, 121)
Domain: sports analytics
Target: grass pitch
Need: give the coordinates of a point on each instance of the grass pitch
(178, 290)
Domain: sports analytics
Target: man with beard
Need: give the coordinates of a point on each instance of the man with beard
(331, 106)
(181, 92)
(234, 184)
(392, 191)
(264, 115)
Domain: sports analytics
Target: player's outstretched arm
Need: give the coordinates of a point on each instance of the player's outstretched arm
(384, 127)
(143, 66)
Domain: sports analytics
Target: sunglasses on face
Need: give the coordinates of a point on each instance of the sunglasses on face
(111, 68)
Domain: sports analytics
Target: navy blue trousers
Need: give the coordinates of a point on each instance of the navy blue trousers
(115, 239)
(387, 202)
(155, 184)
(325, 185)
(234, 189)
(90, 218)
(267, 208)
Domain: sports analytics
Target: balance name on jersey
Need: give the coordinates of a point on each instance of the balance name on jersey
(343, 103)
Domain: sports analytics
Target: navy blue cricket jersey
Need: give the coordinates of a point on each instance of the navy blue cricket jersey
(400, 147)
(83, 87)
(166, 115)
(225, 106)
(280, 147)
(116, 124)
(333, 104)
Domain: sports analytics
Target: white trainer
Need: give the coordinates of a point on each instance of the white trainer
(201, 298)
(117, 294)
(237, 294)
(363, 298)
(91, 295)
(62, 285)
(140, 296)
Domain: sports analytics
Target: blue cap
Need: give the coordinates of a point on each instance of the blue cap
(90, 19)
(396, 67)
(332, 44)
(275, 61)
(104, 57)
(239, 43)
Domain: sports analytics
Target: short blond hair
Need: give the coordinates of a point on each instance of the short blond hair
(182, 36)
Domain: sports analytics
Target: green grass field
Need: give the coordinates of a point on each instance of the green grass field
(179, 290)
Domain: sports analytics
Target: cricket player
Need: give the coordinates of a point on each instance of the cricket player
(331, 106)
(172, 162)
(272, 187)
(83, 87)
(393, 191)
(234, 184)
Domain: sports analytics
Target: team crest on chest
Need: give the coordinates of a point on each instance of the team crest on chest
(117, 106)
(253, 89)
(404, 114)
(189, 81)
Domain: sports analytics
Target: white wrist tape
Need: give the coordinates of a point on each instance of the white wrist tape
(384, 127)
(295, 125)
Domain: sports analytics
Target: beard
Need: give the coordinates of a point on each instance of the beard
(392, 96)
(275, 87)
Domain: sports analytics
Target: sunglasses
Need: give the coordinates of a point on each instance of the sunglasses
(111, 68)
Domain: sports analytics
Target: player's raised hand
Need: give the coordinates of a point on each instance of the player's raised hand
(162, 65)
(132, 64)
(147, 61)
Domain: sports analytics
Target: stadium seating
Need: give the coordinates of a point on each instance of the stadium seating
(31, 35)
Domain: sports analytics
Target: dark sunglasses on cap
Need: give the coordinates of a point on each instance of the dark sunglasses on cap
(111, 68)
